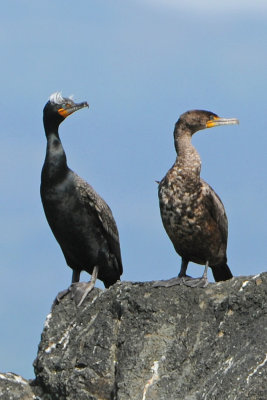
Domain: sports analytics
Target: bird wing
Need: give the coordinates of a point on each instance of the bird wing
(104, 215)
(216, 209)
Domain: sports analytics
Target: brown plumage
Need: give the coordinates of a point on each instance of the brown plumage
(192, 213)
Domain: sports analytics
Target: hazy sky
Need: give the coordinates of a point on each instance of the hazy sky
(139, 64)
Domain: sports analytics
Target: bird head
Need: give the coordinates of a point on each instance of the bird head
(195, 120)
(58, 108)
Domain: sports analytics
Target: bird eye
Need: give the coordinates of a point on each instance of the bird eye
(211, 117)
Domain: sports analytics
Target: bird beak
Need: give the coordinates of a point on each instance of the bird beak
(217, 121)
(70, 108)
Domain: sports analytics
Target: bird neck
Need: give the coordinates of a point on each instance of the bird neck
(188, 160)
(55, 165)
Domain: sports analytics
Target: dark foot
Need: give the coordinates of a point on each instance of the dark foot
(199, 282)
(196, 282)
(80, 290)
(185, 280)
(60, 296)
(171, 282)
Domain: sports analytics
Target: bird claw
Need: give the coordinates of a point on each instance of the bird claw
(60, 296)
(168, 282)
(196, 282)
(184, 280)
(79, 290)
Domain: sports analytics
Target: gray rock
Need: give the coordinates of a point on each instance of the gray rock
(136, 342)
(14, 387)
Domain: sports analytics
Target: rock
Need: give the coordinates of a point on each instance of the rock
(137, 342)
(14, 387)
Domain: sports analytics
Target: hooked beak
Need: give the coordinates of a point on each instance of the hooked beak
(70, 108)
(217, 121)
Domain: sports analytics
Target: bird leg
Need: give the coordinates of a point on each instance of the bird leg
(198, 282)
(75, 276)
(184, 265)
(179, 280)
(81, 289)
(60, 296)
(184, 279)
(63, 293)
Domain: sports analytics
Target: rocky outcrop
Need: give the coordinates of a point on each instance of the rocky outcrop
(14, 387)
(137, 342)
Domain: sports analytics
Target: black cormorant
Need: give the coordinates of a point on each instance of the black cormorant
(79, 218)
(192, 213)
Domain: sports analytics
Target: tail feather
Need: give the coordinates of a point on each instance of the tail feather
(221, 272)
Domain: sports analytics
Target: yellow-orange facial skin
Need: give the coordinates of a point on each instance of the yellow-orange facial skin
(64, 112)
(71, 108)
(217, 121)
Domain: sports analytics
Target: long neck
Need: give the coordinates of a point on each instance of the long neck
(55, 165)
(188, 160)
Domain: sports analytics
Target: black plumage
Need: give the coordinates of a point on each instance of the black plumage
(79, 218)
(192, 213)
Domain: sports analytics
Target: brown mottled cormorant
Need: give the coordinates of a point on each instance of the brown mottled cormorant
(192, 213)
(79, 218)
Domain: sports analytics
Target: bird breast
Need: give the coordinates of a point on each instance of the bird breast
(180, 202)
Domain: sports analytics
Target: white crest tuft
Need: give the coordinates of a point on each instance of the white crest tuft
(57, 98)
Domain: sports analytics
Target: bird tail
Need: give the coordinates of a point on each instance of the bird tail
(110, 282)
(221, 272)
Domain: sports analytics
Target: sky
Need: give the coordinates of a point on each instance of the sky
(139, 64)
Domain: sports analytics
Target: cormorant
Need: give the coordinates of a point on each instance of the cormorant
(192, 213)
(79, 218)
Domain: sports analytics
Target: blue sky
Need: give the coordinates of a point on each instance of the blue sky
(139, 64)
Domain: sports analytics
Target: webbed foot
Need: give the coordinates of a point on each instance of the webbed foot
(185, 280)
(60, 296)
(79, 290)
(171, 282)
(196, 282)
